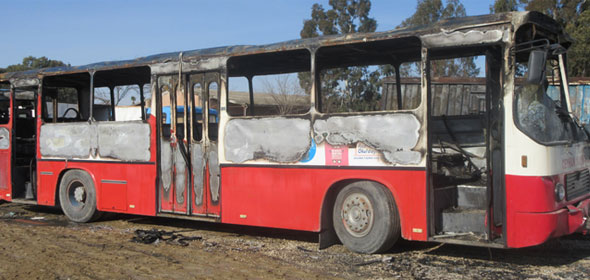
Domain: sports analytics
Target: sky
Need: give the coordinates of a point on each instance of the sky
(83, 32)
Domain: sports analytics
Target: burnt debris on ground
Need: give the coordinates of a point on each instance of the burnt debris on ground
(152, 236)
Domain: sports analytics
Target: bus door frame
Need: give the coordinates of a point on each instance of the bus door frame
(203, 153)
(6, 152)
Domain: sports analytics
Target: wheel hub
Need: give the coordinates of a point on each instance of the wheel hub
(357, 214)
(80, 194)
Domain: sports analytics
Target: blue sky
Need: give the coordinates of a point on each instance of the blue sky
(82, 32)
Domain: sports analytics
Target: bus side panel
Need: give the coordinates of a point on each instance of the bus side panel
(291, 198)
(47, 180)
(120, 187)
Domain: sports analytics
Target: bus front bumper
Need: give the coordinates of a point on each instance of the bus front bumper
(537, 228)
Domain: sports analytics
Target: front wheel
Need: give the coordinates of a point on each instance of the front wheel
(77, 196)
(365, 218)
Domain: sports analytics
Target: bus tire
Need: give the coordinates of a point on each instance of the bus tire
(77, 196)
(365, 218)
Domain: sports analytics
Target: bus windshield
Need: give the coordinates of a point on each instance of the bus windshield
(541, 111)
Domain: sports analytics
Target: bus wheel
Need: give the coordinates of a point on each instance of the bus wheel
(77, 196)
(365, 218)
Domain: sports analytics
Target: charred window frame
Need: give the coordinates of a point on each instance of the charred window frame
(166, 86)
(197, 101)
(461, 118)
(545, 119)
(122, 90)
(387, 60)
(283, 79)
(4, 103)
(66, 98)
(213, 94)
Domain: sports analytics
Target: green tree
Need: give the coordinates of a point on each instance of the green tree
(31, 62)
(579, 53)
(429, 12)
(502, 6)
(352, 87)
(573, 14)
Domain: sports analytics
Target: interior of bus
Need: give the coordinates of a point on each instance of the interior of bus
(66, 98)
(465, 146)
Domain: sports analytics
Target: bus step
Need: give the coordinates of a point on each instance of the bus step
(463, 220)
(471, 197)
(29, 190)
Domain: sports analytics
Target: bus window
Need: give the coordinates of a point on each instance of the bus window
(458, 86)
(409, 87)
(197, 111)
(166, 113)
(65, 100)
(101, 110)
(276, 94)
(4, 106)
(213, 106)
(352, 77)
(279, 85)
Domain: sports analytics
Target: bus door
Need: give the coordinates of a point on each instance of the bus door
(174, 157)
(204, 88)
(5, 144)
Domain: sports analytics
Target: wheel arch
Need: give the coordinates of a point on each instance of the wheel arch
(60, 177)
(327, 235)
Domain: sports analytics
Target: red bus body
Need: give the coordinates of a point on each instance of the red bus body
(520, 207)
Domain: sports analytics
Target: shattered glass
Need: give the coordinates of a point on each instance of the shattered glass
(537, 114)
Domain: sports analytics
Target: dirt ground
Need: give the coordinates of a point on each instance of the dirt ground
(39, 243)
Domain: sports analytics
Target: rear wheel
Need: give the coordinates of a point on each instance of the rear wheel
(365, 218)
(77, 196)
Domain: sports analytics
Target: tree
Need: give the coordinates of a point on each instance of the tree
(579, 53)
(429, 12)
(502, 6)
(350, 87)
(31, 62)
(285, 92)
(573, 14)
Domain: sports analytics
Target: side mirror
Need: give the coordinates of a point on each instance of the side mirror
(536, 72)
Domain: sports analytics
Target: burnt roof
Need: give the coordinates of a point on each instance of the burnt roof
(446, 25)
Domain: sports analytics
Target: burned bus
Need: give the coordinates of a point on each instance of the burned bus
(506, 168)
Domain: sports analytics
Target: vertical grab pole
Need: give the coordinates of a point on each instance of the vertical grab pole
(141, 101)
(251, 94)
(398, 87)
(90, 117)
(112, 95)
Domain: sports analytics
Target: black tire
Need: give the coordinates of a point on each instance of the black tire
(77, 196)
(365, 218)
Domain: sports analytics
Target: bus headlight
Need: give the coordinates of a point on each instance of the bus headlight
(559, 192)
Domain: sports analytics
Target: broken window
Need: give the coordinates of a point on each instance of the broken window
(362, 77)
(405, 95)
(4, 106)
(351, 89)
(270, 84)
(197, 109)
(167, 85)
(213, 93)
(120, 94)
(458, 86)
(458, 97)
(61, 105)
(102, 104)
(537, 114)
(66, 98)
